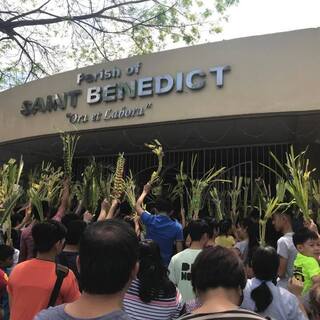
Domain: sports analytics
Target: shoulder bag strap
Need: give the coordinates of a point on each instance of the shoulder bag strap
(61, 272)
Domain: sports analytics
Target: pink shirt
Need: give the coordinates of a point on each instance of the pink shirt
(26, 240)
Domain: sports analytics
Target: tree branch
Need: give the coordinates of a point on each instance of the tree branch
(25, 23)
(92, 38)
(28, 13)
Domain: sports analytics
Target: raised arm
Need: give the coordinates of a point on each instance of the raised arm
(137, 226)
(64, 201)
(183, 217)
(312, 226)
(105, 206)
(79, 208)
(139, 203)
(114, 205)
(26, 219)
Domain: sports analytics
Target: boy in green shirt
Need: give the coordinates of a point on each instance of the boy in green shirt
(306, 267)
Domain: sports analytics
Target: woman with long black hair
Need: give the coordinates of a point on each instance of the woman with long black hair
(152, 296)
(248, 234)
(263, 296)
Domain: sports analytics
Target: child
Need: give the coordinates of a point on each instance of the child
(225, 239)
(263, 296)
(286, 250)
(6, 262)
(306, 267)
(213, 230)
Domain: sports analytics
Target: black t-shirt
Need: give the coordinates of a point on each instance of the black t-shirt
(69, 259)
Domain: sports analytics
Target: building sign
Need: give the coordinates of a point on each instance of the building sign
(120, 91)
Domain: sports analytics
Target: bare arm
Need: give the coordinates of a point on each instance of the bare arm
(183, 217)
(105, 205)
(79, 208)
(312, 226)
(64, 201)
(137, 226)
(179, 246)
(114, 205)
(282, 267)
(295, 286)
(26, 218)
(145, 192)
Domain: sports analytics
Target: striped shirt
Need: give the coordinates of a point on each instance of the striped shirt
(162, 308)
(237, 314)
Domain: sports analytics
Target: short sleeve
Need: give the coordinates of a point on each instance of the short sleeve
(172, 275)
(313, 268)
(179, 235)
(282, 249)
(240, 247)
(147, 218)
(70, 291)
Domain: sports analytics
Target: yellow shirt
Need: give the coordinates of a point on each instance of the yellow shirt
(225, 241)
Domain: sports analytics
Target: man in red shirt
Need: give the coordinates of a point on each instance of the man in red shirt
(31, 282)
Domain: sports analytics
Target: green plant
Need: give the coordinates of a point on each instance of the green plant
(245, 207)
(130, 191)
(118, 182)
(69, 142)
(234, 195)
(157, 149)
(88, 191)
(198, 187)
(10, 192)
(218, 204)
(179, 189)
(298, 174)
(105, 176)
(268, 204)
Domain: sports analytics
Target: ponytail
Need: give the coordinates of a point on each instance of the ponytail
(262, 297)
(153, 275)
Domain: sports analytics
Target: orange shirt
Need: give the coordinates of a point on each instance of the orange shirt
(30, 286)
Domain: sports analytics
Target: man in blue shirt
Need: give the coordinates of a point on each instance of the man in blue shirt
(160, 227)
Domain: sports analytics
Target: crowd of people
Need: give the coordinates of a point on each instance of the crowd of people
(74, 265)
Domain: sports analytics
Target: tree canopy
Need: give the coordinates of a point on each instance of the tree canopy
(41, 37)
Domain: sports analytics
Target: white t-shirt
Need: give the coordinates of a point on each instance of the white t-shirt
(15, 257)
(180, 272)
(287, 250)
(284, 306)
(243, 247)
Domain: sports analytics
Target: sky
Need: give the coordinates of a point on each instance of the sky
(254, 17)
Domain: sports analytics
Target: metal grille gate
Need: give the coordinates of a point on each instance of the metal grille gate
(239, 161)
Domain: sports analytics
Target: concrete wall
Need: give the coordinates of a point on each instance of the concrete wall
(269, 74)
